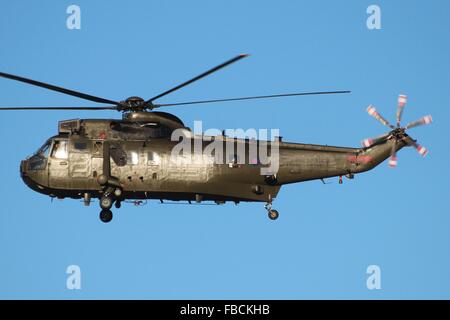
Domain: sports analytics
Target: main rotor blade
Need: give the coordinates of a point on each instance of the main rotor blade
(402, 99)
(58, 108)
(374, 113)
(422, 121)
(58, 89)
(250, 98)
(204, 74)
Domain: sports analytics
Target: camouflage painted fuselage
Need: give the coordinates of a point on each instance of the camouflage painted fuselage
(139, 158)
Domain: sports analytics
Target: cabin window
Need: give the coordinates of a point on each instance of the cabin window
(118, 154)
(132, 157)
(98, 148)
(80, 145)
(153, 158)
(60, 149)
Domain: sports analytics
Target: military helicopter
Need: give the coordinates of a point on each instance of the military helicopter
(129, 159)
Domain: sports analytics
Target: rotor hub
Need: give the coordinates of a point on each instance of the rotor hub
(398, 133)
(135, 104)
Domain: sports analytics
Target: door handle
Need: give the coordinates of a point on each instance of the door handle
(63, 163)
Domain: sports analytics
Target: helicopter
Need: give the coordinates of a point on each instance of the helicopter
(131, 159)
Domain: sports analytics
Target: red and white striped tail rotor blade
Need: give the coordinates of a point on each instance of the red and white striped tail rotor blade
(402, 99)
(422, 121)
(421, 149)
(374, 113)
(393, 161)
(393, 158)
(366, 143)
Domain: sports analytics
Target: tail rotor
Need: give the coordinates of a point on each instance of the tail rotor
(398, 132)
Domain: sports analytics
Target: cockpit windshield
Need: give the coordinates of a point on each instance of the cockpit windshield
(44, 150)
(39, 160)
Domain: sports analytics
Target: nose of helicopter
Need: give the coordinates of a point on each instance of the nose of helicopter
(27, 179)
(32, 177)
(23, 168)
(25, 175)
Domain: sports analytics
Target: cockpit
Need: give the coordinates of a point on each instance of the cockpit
(44, 150)
(57, 148)
(38, 160)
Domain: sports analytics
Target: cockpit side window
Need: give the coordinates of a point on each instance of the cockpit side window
(59, 150)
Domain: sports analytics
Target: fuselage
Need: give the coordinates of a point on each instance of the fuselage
(145, 166)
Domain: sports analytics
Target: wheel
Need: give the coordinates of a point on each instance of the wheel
(118, 204)
(273, 214)
(106, 215)
(106, 202)
(118, 192)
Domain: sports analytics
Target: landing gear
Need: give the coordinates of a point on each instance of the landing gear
(106, 215)
(106, 202)
(272, 213)
(118, 204)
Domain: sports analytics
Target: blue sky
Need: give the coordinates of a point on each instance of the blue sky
(326, 236)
